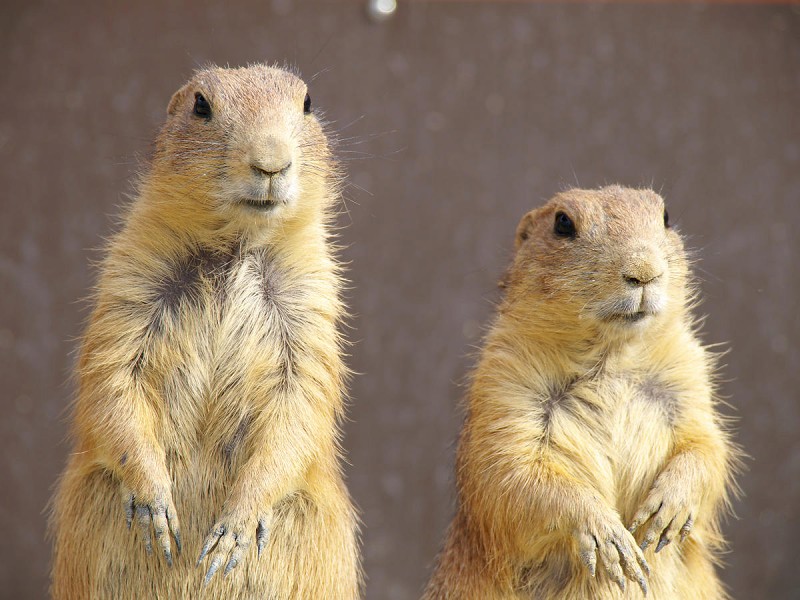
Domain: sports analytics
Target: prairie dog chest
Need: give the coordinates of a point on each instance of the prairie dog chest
(641, 430)
(620, 425)
(220, 319)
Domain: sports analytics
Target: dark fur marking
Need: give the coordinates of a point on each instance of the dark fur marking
(183, 284)
(554, 399)
(654, 391)
(562, 399)
(123, 459)
(233, 444)
(273, 292)
(137, 364)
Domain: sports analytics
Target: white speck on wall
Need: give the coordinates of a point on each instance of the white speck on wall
(381, 10)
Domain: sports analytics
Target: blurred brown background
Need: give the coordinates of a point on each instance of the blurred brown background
(463, 116)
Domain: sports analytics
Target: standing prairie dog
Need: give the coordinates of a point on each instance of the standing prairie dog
(210, 382)
(592, 462)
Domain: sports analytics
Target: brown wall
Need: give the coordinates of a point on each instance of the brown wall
(463, 117)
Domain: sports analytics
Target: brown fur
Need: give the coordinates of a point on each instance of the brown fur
(210, 383)
(581, 423)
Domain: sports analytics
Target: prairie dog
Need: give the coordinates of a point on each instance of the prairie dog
(210, 380)
(592, 462)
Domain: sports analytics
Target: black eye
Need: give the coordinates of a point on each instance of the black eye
(666, 218)
(201, 106)
(564, 227)
(307, 104)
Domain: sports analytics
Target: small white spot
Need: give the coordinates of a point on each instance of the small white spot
(381, 10)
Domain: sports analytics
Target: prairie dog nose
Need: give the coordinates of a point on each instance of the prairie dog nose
(270, 156)
(643, 267)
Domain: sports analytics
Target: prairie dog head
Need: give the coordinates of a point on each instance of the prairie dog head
(245, 144)
(606, 258)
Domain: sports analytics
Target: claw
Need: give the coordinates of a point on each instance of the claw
(590, 560)
(178, 545)
(643, 585)
(143, 518)
(215, 564)
(232, 564)
(687, 527)
(262, 535)
(211, 541)
(172, 523)
(128, 504)
(644, 565)
(664, 541)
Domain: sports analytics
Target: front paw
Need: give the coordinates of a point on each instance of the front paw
(668, 511)
(607, 538)
(230, 538)
(153, 505)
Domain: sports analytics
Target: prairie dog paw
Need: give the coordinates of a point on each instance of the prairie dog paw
(616, 548)
(666, 513)
(153, 509)
(230, 538)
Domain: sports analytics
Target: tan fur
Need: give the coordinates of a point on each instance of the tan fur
(581, 424)
(210, 377)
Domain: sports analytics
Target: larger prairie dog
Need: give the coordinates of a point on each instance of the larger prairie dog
(210, 381)
(592, 462)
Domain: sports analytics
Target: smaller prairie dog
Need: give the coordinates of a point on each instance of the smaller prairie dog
(592, 455)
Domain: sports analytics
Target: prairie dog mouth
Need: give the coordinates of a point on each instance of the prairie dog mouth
(265, 205)
(634, 317)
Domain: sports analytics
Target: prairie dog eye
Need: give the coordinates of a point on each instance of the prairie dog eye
(564, 227)
(202, 108)
(666, 218)
(307, 104)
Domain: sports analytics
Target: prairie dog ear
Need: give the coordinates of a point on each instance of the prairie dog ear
(176, 99)
(525, 228)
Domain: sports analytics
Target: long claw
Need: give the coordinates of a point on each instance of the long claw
(174, 526)
(643, 564)
(232, 564)
(143, 518)
(664, 541)
(215, 564)
(262, 535)
(178, 544)
(128, 504)
(643, 585)
(161, 527)
(619, 579)
(687, 527)
(211, 541)
(587, 546)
